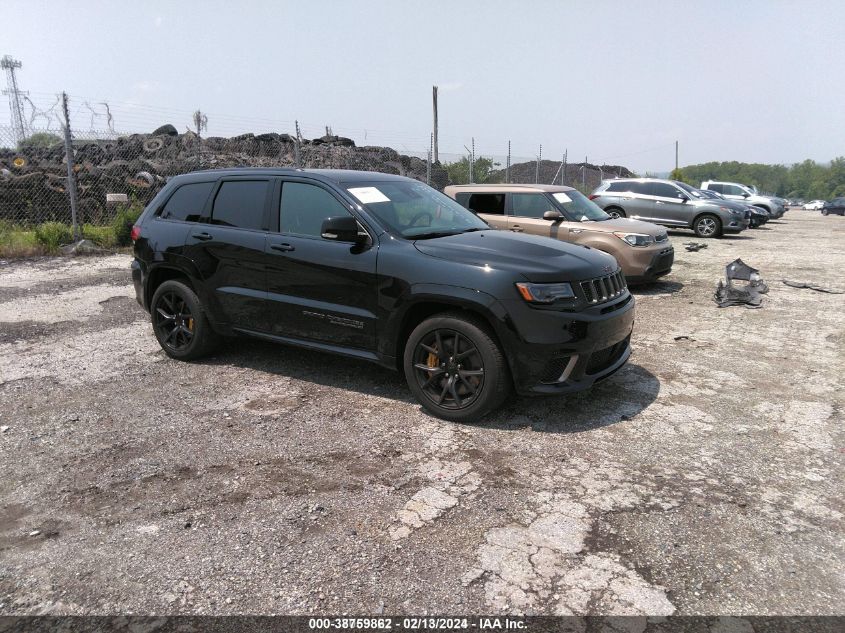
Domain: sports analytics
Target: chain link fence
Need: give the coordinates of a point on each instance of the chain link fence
(112, 170)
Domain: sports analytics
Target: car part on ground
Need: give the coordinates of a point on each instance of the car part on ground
(750, 295)
(642, 249)
(694, 246)
(380, 268)
(671, 203)
(812, 286)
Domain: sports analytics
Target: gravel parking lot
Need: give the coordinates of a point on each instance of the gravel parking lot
(706, 477)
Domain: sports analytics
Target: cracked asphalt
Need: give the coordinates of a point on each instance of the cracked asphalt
(706, 477)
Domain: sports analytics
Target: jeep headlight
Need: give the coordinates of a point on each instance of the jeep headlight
(635, 239)
(732, 210)
(544, 293)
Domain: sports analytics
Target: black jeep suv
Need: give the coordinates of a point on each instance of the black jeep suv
(381, 268)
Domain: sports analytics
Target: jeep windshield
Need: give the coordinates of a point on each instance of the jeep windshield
(414, 210)
(578, 207)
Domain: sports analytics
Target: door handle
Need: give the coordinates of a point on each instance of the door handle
(658, 202)
(516, 228)
(576, 230)
(202, 236)
(283, 247)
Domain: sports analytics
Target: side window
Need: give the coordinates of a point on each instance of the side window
(491, 203)
(304, 207)
(240, 203)
(463, 199)
(620, 186)
(716, 187)
(531, 205)
(663, 190)
(733, 190)
(187, 202)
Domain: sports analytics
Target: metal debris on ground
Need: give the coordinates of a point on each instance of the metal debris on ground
(810, 286)
(694, 246)
(727, 294)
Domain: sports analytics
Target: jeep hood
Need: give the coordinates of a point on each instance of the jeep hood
(536, 258)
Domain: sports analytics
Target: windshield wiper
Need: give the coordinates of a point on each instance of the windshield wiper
(433, 234)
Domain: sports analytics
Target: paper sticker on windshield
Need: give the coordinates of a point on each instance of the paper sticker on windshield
(368, 195)
(562, 198)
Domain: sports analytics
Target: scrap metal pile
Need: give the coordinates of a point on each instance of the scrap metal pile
(33, 178)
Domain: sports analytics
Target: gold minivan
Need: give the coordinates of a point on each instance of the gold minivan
(642, 249)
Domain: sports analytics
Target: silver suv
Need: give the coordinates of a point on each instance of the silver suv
(667, 202)
(742, 193)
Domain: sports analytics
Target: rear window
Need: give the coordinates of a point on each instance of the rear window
(629, 186)
(240, 203)
(619, 186)
(187, 202)
(490, 203)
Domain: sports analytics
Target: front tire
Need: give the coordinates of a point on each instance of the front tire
(825, 211)
(707, 226)
(179, 322)
(455, 368)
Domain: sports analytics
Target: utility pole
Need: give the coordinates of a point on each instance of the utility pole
(200, 122)
(563, 173)
(18, 123)
(508, 165)
(71, 176)
(472, 163)
(296, 147)
(434, 104)
(584, 175)
(676, 155)
(537, 170)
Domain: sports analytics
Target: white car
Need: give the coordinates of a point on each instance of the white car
(815, 205)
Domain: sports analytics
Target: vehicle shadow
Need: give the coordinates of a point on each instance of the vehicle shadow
(311, 366)
(620, 397)
(657, 288)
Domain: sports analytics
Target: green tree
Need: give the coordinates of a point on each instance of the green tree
(40, 139)
(459, 170)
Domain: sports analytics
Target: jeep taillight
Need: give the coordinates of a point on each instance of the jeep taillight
(593, 196)
(136, 232)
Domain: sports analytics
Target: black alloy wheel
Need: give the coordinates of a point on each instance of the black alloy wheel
(174, 321)
(449, 369)
(179, 322)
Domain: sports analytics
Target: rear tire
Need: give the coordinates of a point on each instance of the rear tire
(616, 212)
(455, 368)
(707, 225)
(179, 322)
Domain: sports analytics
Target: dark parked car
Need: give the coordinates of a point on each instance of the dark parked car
(759, 216)
(380, 268)
(836, 206)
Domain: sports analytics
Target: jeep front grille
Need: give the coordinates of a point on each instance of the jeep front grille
(604, 289)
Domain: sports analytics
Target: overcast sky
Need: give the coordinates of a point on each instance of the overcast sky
(616, 81)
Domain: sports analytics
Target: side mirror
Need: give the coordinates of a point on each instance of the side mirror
(552, 216)
(340, 229)
(746, 195)
(683, 197)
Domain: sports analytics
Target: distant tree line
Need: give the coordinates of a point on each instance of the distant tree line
(808, 180)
